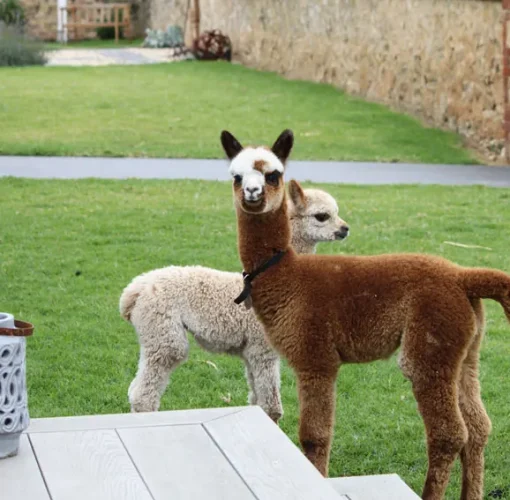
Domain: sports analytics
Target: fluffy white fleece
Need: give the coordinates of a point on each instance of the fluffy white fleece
(164, 304)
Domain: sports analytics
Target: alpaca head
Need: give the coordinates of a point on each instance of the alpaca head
(258, 172)
(314, 216)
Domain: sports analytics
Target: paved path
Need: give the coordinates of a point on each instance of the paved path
(326, 172)
(105, 57)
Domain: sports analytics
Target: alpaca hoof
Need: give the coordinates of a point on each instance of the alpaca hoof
(275, 416)
(143, 408)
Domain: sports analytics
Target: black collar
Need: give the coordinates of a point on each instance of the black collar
(249, 277)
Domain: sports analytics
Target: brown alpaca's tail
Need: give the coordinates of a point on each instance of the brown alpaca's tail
(484, 283)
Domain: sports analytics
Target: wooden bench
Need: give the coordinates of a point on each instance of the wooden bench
(96, 15)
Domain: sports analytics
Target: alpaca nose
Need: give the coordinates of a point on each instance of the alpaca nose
(252, 193)
(342, 233)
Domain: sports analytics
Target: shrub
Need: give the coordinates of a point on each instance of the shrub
(172, 37)
(12, 13)
(16, 50)
(108, 33)
(212, 45)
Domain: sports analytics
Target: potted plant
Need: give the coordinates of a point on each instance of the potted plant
(14, 417)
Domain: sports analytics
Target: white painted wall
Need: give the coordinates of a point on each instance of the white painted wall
(61, 21)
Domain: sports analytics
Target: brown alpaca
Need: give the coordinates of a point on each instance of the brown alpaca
(320, 312)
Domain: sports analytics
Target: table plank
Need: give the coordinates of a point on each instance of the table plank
(20, 475)
(87, 465)
(121, 420)
(268, 461)
(379, 487)
(182, 462)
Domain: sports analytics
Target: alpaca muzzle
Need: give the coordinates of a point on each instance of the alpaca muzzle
(342, 233)
(253, 194)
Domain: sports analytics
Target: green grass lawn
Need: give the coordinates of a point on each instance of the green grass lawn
(179, 109)
(94, 44)
(70, 247)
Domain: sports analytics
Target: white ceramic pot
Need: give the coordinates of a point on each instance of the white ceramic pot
(14, 417)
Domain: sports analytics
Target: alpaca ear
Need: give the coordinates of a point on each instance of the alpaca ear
(230, 144)
(297, 195)
(283, 145)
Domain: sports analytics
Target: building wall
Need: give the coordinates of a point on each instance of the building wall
(165, 13)
(41, 16)
(437, 59)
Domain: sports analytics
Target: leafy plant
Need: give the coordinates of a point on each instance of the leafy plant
(12, 13)
(17, 50)
(172, 37)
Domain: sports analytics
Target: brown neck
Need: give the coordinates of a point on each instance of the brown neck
(260, 235)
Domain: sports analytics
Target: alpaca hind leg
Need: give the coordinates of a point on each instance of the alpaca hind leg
(316, 417)
(433, 350)
(445, 429)
(159, 356)
(477, 421)
(263, 369)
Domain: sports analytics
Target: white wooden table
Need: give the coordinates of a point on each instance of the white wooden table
(222, 453)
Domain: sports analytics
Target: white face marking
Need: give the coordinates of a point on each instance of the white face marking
(253, 185)
(253, 180)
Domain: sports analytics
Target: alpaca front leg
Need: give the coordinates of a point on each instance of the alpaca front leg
(263, 375)
(316, 417)
(252, 395)
(267, 386)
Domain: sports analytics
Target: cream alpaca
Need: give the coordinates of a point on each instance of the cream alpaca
(164, 303)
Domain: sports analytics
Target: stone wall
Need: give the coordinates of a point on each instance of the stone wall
(164, 13)
(437, 59)
(140, 16)
(41, 16)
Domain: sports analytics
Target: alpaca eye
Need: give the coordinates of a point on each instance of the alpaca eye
(238, 179)
(273, 178)
(322, 217)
